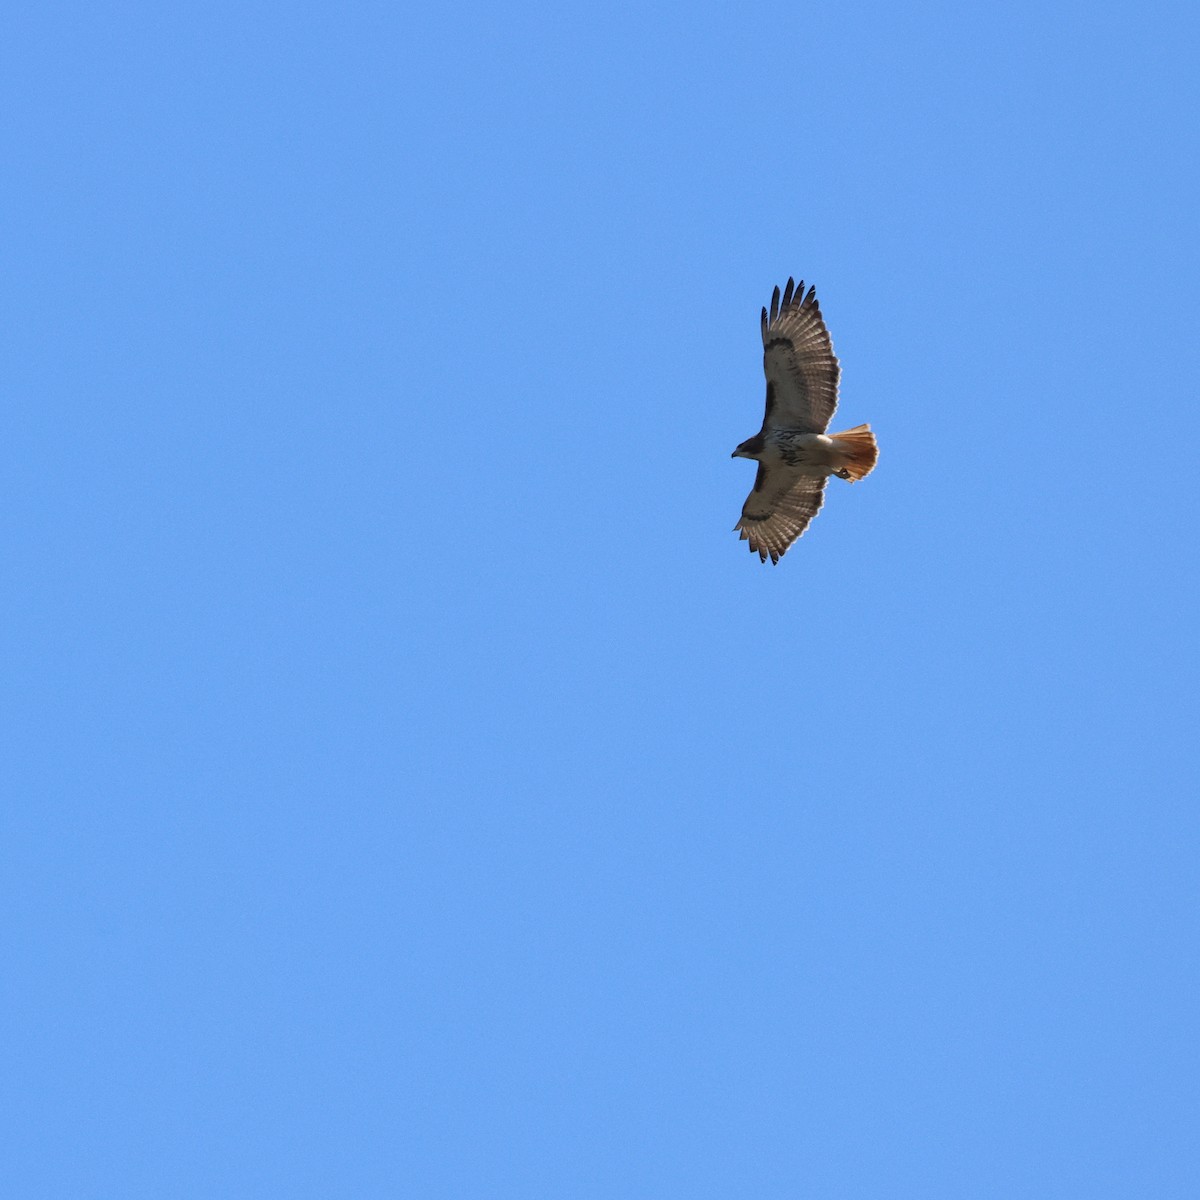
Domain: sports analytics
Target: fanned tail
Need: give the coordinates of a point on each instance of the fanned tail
(859, 451)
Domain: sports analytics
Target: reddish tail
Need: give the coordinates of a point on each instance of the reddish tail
(858, 450)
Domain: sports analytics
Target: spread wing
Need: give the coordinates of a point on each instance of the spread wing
(779, 509)
(798, 360)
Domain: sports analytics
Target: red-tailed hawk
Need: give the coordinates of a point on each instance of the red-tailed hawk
(795, 456)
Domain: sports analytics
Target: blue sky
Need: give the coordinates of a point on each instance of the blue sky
(414, 787)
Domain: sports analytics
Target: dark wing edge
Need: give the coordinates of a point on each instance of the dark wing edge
(771, 530)
(798, 360)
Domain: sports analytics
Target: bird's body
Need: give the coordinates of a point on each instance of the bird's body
(787, 448)
(795, 455)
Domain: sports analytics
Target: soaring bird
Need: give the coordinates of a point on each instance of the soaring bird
(795, 455)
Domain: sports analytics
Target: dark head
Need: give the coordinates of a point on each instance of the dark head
(750, 448)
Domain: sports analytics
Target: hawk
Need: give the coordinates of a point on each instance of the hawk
(795, 455)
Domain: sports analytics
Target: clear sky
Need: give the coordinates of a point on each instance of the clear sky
(414, 789)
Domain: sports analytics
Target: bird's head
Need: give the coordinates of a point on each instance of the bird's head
(750, 448)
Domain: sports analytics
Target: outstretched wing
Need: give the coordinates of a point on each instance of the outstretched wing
(798, 360)
(779, 509)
